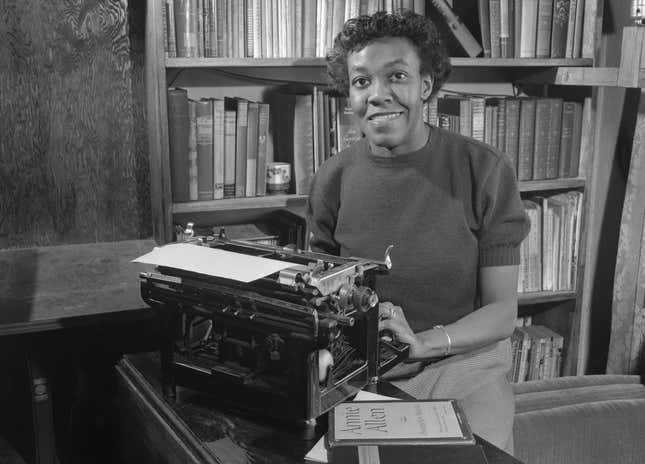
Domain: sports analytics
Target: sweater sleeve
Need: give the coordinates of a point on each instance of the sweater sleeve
(322, 212)
(504, 222)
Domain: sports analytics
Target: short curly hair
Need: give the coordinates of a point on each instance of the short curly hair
(359, 32)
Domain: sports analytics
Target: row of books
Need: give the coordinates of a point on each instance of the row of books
(543, 137)
(537, 352)
(263, 28)
(549, 254)
(218, 147)
(531, 28)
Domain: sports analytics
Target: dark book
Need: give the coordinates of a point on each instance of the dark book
(303, 142)
(409, 454)
(553, 140)
(569, 110)
(453, 29)
(559, 28)
(508, 21)
(263, 136)
(543, 33)
(484, 26)
(512, 130)
(517, 28)
(501, 123)
(186, 28)
(169, 28)
(252, 149)
(178, 127)
(576, 139)
(347, 132)
(526, 139)
(204, 113)
(542, 116)
(448, 113)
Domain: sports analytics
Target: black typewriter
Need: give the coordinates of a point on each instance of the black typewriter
(289, 345)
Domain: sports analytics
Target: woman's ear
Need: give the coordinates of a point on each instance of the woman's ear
(426, 82)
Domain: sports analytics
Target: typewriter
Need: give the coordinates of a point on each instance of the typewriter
(290, 345)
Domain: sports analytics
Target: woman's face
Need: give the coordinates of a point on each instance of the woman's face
(386, 93)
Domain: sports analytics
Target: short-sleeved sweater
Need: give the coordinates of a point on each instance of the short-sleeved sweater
(449, 208)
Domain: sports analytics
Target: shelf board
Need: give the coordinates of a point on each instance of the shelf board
(237, 204)
(320, 62)
(550, 184)
(545, 297)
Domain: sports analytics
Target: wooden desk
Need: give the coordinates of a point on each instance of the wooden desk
(59, 307)
(195, 429)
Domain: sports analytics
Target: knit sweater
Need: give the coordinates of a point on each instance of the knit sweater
(449, 208)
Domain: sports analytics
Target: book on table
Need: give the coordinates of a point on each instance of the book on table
(434, 431)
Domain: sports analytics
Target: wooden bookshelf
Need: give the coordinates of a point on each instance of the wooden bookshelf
(551, 184)
(268, 201)
(531, 298)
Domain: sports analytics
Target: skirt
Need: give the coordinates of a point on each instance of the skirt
(476, 379)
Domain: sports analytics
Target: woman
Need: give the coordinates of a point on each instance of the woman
(448, 204)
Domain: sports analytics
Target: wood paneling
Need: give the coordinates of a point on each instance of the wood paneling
(73, 153)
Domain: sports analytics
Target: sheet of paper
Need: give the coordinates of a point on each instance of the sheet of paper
(319, 453)
(212, 261)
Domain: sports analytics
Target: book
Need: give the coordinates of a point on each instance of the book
(410, 454)
(193, 181)
(526, 139)
(186, 28)
(543, 31)
(178, 128)
(169, 31)
(512, 130)
(263, 141)
(204, 115)
(494, 12)
(252, 149)
(241, 129)
(569, 137)
(573, 7)
(346, 130)
(218, 148)
(554, 137)
(410, 422)
(229, 147)
(528, 27)
(457, 28)
(303, 143)
(559, 28)
(484, 26)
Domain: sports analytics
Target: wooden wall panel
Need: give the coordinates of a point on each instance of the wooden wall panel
(73, 152)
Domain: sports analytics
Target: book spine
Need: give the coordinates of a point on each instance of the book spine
(458, 29)
(208, 27)
(193, 182)
(526, 139)
(309, 29)
(517, 28)
(571, 24)
(218, 149)
(559, 28)
(241, 129)
(505, 43)
(494, 9)
(501, 125)
(204, 118)
(542, 114)
(178, 128)
(200, 28)
(186, 28)
(586, 141)
(477, 108)
(566, 139)
(263, 135)
(252, 149)
(267, 28)
(229, 153)
(543, 33)
(169, 15)
(576, 140)
(553, 141)
(298, 10)
(222, 47)
(512, 126)
(528, 28)
(577, 29)
(484, 25)
(303, 149)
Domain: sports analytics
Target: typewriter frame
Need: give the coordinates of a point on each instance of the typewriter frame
(255, 309)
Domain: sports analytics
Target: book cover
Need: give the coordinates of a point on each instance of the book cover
(303, 143)
(210, 28)
(526, 139)
(542, 115)
(204, 115)
(585, 141)
(178, 128)
(229, 147)
(415, 422)
(252, 148)
(169, 23)
(512, 130)
(263, 138)
(193, 182)
(448, 111)
(347, 131)
(402, 454)
(571, 24)
(477, 107)
(218, 148)
(309, 29)
(501, 124)
(543, 32)
(559, 28)
(577, 30)
(506, 33)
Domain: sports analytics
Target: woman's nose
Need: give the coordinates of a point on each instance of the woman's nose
(380, 91)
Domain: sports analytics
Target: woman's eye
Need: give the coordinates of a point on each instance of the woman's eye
(360, 82)
(398, 76)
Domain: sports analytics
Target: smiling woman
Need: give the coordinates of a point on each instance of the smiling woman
(448, 204)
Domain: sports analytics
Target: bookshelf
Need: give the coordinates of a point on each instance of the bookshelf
(562, 310)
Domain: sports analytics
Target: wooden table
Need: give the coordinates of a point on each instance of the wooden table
(57, 305)
(196, 428)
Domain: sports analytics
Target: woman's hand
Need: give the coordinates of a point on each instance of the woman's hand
(392, 319)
